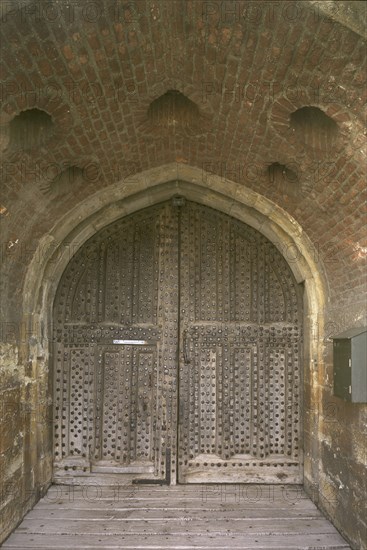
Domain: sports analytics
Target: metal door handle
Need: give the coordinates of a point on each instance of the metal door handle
(186, 348)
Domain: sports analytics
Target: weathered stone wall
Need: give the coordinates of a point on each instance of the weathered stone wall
(25, 428)
(342, 435)
(12, 432)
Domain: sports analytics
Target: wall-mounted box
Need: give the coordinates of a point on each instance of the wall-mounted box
(350, 365)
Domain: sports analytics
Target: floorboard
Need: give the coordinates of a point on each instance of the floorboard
(176, 518)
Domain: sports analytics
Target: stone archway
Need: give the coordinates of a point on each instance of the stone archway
(151, 188)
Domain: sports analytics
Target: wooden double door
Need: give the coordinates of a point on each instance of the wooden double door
(176, 350)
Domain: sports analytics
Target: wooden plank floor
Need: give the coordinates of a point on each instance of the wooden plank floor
(185, 517)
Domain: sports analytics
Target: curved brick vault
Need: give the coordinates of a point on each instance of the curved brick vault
(95, 68)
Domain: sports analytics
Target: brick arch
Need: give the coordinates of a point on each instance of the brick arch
(284, 106)
(47, 99)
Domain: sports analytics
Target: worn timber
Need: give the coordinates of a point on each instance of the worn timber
(177, 331)
(176, 517)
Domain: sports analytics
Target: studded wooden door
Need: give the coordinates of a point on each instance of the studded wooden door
(115, 348)
(177, 336)
(239, 373)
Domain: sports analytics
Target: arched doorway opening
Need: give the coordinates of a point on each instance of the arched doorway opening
(177, 342)
(122, 199)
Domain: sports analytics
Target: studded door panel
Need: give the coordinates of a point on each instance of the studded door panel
(126, 409)
(239, 367)
(116, 345)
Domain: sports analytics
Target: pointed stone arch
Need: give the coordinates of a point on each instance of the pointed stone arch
(149, 188)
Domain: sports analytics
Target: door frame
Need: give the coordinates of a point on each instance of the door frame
(67, 236)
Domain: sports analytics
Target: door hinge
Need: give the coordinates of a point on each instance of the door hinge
(165, 481)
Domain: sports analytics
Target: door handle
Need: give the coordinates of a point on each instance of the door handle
(186, 347)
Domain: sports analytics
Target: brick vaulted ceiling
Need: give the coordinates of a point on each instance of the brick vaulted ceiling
(97, 67)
